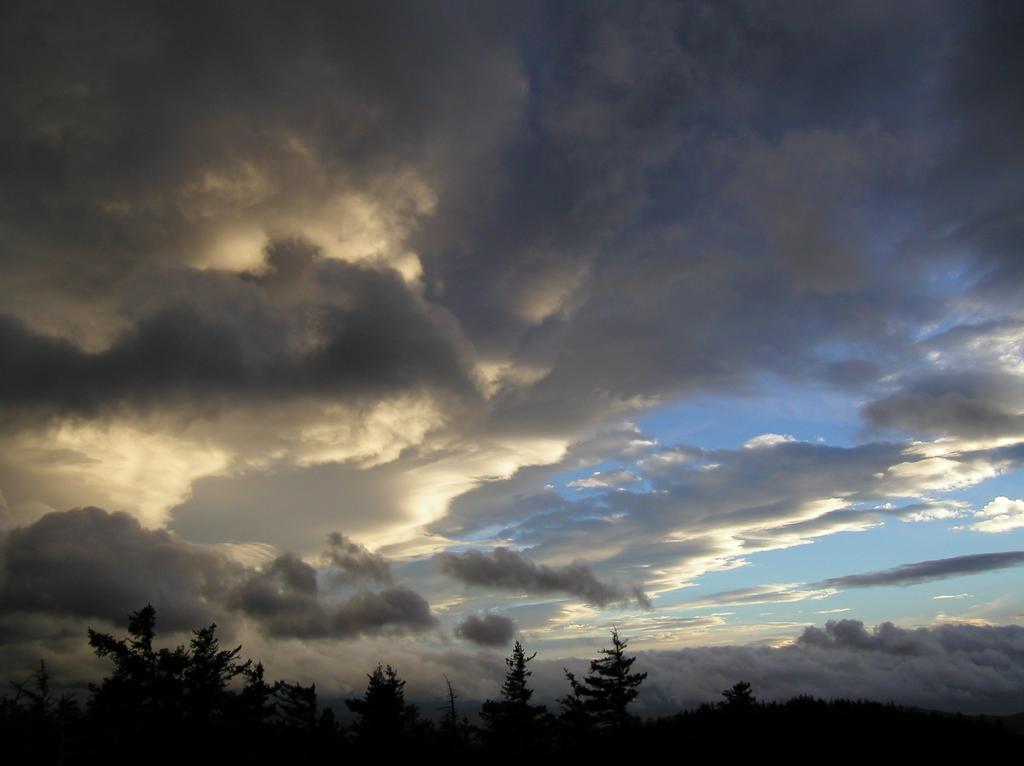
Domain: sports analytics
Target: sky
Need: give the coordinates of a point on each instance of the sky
(379, 331)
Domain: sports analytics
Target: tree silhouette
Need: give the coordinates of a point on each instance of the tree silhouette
(296, 705)
(454, 732)
(255, 701)
(33, 724)
(450, 720)
(306, 733)
(251, 711)
(142, 700)
(607, 690)
(40, 702)
(512, 722)
(176, 700)
(382, 713)
(148, 710)
(575, 717)
(738, 697)
(207, 676)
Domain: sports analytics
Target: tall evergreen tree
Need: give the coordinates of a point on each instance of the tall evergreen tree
(607, 690)
(209, 672)
(296, 706)
(142, 700)
(512, 722)
(383, 716)
(251, 711)
(575, 718)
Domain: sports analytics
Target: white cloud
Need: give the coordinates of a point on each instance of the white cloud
(768, 440)
(1000, 515)
(606, 479)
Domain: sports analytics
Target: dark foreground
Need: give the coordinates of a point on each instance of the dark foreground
(201, 704)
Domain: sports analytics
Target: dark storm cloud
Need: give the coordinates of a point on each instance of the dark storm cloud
(692, 180)
(93, 564)
(89, 563)
(207, 340)
(111, 110)
(733, 151)
(507, 570)
(627, 95)
(284, 597)
(354, 562)
(489, 630)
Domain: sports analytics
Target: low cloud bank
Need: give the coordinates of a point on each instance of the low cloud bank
(956, 667)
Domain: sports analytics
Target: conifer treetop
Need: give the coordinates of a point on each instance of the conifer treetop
(608, 688)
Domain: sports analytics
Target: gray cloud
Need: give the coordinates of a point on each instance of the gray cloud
(365, 498)
(89, 563)
(285, 599)
(767, 228)
(212, 340)
(763, 242)
(526, 493)
(978, 403)
(158, 101)
(905, 574)
(605, 479)
(93, 564)
(703, 508)
(924, 571)
(597, 209)
(972, 190)
(489, 630)
(967, 668)
(507, 570)
(355, 562)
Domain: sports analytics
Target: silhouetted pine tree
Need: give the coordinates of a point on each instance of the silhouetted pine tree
(575, 719)
(296, 706)
(38, 719)
(171, 702)
(738, 697)
(207, 701)
(607, 690)
(142, 701)
(512, 723)
(382, 713)
(251, 711)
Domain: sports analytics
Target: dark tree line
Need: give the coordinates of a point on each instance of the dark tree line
(202, 701)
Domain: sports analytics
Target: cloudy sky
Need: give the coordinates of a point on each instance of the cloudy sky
(392, 331)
